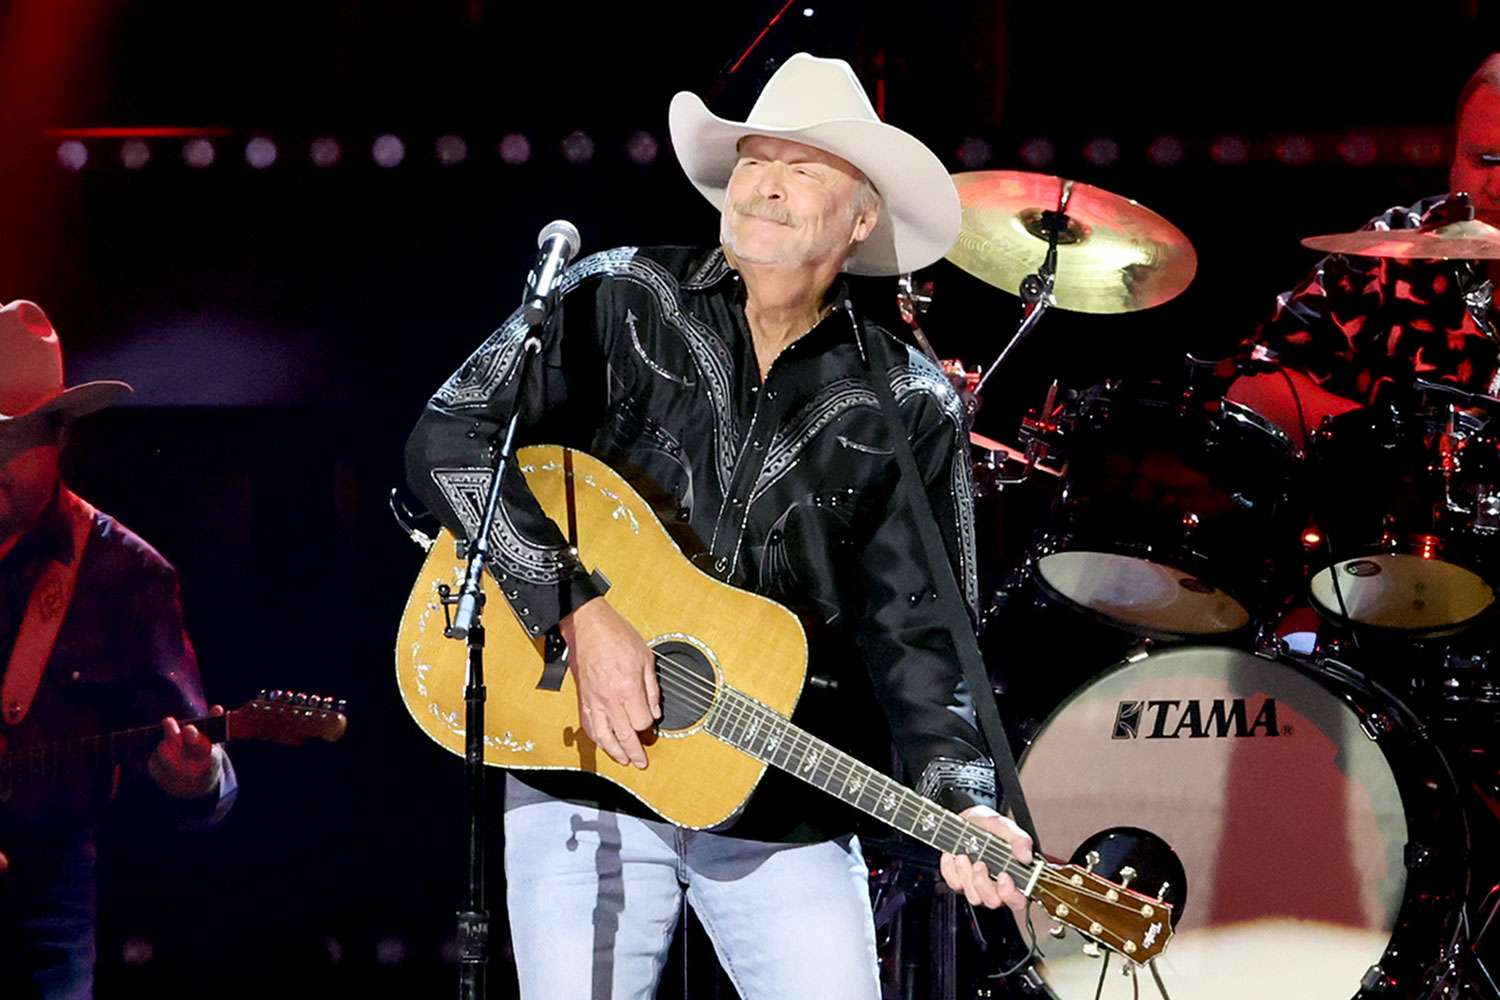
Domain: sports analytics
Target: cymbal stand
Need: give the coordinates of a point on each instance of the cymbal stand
(1036, 289)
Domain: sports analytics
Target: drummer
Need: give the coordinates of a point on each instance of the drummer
(1357, 328)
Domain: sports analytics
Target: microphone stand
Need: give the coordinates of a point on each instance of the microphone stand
(474, 919)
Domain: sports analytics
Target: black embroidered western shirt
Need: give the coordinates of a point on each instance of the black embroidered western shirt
(787, 487)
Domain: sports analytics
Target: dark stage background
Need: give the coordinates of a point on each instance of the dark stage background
(283, 325)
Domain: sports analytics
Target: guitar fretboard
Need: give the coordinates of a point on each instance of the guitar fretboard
(753, 728)
(91, 753)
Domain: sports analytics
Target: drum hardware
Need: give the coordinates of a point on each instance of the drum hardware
(913, 301)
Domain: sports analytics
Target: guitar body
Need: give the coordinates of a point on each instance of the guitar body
(752, 643)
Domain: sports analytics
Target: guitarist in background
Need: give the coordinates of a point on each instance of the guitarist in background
(91, 639)
(733, 388)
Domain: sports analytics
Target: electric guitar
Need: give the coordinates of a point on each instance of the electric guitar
(277, 717)
(731, 666)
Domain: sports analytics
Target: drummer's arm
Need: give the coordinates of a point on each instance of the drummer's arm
(1290, 399)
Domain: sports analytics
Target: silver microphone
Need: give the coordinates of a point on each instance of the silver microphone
(558, 243)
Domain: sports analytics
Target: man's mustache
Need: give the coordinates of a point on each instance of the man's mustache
(764, 208)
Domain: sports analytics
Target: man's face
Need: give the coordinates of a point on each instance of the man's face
(28, 471)
(1476, 155)
(787, 203)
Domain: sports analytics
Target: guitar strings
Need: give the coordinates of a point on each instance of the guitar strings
(681, 686)
(698, 693)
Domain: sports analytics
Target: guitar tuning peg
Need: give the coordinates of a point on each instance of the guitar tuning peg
(343, 705)
(1090, 860)
(1161, 894)
(1092, 950)
(1126, 874)
(1058, 931)
(299, 699)
(262, 695)
(277, 694)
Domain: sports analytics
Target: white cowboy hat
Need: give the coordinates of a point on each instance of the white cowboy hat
(31, 370)
(819, 102)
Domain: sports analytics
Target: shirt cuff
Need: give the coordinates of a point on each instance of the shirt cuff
(958, 784)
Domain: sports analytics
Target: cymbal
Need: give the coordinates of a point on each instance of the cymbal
(1466, 240)
(1116, 256)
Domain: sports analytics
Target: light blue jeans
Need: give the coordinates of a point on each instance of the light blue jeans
(594, 897)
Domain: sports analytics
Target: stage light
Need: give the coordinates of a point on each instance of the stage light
(325, 151)
(1229, 151)
(578, 148)
(807, 12)
(1037, 152)
(134, 154)
(1295, 151)
(515, 149)
(137, 951)
(390, 951)
(1423, 151)
(642, 148)
(388, 151)
(452, 150)
(198, 153)
(1358, 150)
(1165, 151)
(973, 152)
(260, 152)
(1102, 151)
(72, 154)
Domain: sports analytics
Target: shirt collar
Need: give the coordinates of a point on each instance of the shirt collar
(49, 539)
(712, 269)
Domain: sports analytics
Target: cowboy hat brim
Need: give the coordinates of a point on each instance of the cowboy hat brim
(920, 214)
(76, 401)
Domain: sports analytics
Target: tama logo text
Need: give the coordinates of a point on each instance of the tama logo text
(1170, 719)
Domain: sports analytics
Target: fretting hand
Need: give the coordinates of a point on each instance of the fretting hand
(615, 672)
(974, 879)
(183, 764)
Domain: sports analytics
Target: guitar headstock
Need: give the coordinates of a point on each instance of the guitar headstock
(288, 718)
(1122, 919)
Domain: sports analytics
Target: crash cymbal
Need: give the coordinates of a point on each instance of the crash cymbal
(1116, 256)
(1466, 240)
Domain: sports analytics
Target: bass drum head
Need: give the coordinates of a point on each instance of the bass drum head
(1288, 819)
(1140, 595)
(1402, 591)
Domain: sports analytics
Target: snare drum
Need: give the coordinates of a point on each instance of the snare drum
(1319, 830)
(1175, 514)
(1410, 504)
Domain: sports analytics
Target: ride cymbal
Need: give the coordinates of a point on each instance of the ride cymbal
(1115, 256)
(1466, 240)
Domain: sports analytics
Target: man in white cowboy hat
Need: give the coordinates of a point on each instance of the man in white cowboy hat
(734, 387)
(91, 640)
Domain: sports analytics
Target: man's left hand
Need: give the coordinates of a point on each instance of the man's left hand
(183, 764)
(973, 878)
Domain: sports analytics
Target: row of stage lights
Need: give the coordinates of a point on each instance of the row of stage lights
(1406, 147)
(75, 152)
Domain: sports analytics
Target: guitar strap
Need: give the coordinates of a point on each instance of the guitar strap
(45, 610)
(941, 570)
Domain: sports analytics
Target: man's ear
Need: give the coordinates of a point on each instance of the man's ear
(865, 224)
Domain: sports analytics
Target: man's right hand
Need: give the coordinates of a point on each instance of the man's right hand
(615, 673)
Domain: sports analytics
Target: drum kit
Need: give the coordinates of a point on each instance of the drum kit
(1315, 797)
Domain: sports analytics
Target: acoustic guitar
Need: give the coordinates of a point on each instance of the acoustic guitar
(731, 666)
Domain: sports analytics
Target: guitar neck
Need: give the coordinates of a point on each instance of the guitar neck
(123, 746)
(748, 726)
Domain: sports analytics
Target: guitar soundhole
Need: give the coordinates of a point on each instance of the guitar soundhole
(687, 684)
